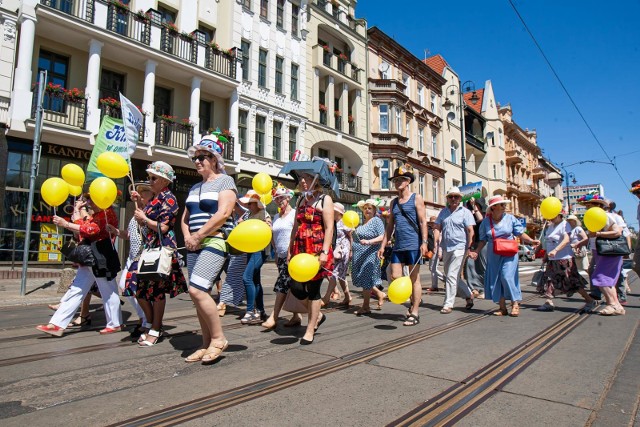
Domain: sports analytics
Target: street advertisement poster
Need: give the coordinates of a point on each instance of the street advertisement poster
(50, 243)
(472, 189)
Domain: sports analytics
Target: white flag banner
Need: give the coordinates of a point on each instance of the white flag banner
(132, 120)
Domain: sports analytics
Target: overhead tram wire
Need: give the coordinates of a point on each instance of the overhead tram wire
(564, 88)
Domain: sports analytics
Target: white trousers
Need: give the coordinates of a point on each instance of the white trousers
(79, 289)
(132, 300)
(435, 274)
(452, 263)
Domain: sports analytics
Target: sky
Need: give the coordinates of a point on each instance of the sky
(593, 47)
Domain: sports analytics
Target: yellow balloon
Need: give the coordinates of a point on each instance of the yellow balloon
(550, 207)
(400, 290)
(73, 174)
(54, 191)
(250, 236)
(303, 267)
(103, 192)
(262, 183)
(595, 219)
(351, 219)
(75, 190)
(266, 198)
(112, 165)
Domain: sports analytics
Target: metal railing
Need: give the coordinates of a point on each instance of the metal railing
(475, 141)
(179, 45)
(12, 246)
(59, 110)
(80, 9)
(128, 24)
(349, 182)
(173, 135)
(220, 62)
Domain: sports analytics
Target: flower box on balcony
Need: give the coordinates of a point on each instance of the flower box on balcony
(326, 48)
(323, 107)
(337, 113)
(343, 57)
(110, 102)
(75, 95)
(122, 7)
(186, 124)
(55, 90)
(142, 16)
(214, 46)
(172, 28)
(187, 36)
(167, 119)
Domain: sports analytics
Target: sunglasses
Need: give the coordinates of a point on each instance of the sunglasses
(201, 157)
(454, 197)
(153, 178)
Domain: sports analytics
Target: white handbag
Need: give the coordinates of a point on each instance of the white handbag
(155, 263)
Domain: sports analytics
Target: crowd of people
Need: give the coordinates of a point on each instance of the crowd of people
(472, 240)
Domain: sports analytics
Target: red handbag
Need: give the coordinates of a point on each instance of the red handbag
(503, 247)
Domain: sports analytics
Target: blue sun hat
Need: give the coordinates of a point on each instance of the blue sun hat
(214, 144)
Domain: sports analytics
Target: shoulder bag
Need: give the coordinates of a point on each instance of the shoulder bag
(503, 247)
(612, 247)
(78, 252)
(155, 263)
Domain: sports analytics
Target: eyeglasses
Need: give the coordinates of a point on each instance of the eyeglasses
(454, 197)
(200, 158)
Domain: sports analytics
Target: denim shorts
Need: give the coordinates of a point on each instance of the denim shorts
(406, 257)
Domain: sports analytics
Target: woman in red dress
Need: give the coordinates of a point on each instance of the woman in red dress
(312, 233)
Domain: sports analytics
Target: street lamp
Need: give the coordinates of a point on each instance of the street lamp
(451, 90)
(570, 175)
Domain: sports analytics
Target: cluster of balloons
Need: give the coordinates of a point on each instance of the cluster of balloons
(550, 208)
(103, 191)
(595, 219)
(262, 184)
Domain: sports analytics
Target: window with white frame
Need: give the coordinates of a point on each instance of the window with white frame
(421, 139)
(435, 188)
(500, 140)
(295, 19)
(262, 68)
(243, 117)
(421, 95)
(434, 103)
(384, 118)
(280, 14)
(277, 140)
(279, 74)
(398, 128)
(293, 140)
(385, 166)
(491, 139)
(421, 185)
(434, 145)
(260, 134)
(502, 170)
(245, 46)
(454, 152)
(405, 82)
(294, 82)
(408, 127)
(264, 9)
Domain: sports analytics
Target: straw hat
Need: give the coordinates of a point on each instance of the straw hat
(338, 207)
(251, 197)
(574, 218)
(454, 191)
(361, 204)
(496, 200)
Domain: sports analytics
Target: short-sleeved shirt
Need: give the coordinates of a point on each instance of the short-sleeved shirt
(553, 236)
(508, 227)
(202, 202)
(454, 227)
(574, 236)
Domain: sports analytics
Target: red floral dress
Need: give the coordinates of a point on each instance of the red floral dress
(310, 237)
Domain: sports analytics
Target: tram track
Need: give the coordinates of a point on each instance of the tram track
(206, 405)
(453, 404)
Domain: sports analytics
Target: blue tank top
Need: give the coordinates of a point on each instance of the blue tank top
(406, 238)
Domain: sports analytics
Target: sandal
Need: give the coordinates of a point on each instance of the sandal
(412, 320)
(146, 343)
(196, 356)
(81, 321)
(501, 312)
(51, 329)
(469, 305)
(214, 351)
(445, 310)
(381, 301)
(362, 312)
(515, 311)
(222, 309)
(610, 310)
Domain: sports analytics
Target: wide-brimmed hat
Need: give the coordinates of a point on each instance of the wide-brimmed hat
(162, 169)
(361, 204)
(454, 191)
(593, 198)
(140, 186)
(405, 171)
(213, 144)
(338, 207)
(496, 200)
(574, 218)
(251, 197)
(635, 187)
(281, 191)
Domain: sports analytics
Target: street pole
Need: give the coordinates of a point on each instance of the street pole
(35, 159)
(566, 177)
(463, 160)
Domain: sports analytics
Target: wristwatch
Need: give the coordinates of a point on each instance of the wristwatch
(425, 242)
(326, 252)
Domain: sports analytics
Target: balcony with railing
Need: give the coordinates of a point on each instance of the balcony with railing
(80, 9)
(514, 156)
(332, 11)
(173, 135)
(386, 86)
(391, 139)
(134, 26)
(221, 62)
(324, 58)
(349, 182)
(180, 45)
(61, 110)
(539, 173)
(476, 142)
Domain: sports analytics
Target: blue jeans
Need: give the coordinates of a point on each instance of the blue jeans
(251, 280)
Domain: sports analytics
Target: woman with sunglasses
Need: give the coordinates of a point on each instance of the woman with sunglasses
(90, 228)
(157, 220)
(206, 221)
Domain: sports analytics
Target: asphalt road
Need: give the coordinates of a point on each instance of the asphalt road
(466, 368)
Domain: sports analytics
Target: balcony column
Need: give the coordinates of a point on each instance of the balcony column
(194, 107)
(330, 95)
(22, 96)
(147, 100)
(315, 111)
(344, 107)
(234, 112)
(92, 90)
